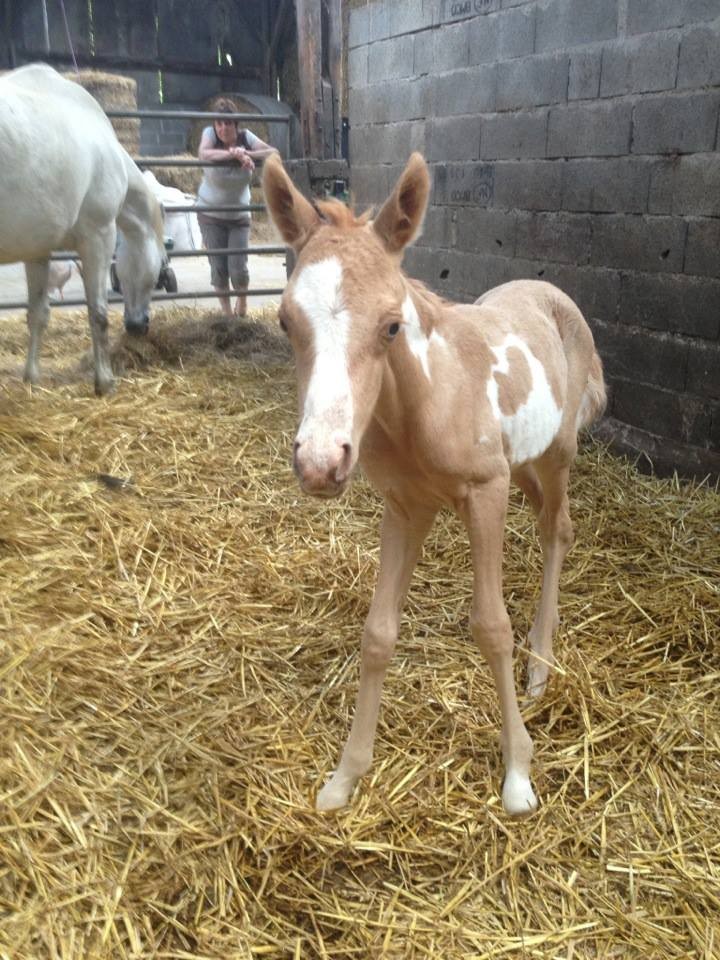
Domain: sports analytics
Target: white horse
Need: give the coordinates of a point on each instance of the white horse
(66, 183)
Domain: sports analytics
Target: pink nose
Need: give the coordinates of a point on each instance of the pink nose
(322, 471)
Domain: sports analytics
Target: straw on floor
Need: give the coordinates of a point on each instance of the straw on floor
(178, 660)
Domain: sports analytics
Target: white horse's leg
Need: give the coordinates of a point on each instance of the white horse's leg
(484, 515)
(37, 316)
(402, 536)
(96, 255)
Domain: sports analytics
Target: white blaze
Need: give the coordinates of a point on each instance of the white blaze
(531, 429)
(318, 292)
(417, 341)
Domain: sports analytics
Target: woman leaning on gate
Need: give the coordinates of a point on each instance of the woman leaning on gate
(223, 186)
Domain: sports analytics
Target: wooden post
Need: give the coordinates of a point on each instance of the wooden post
(309, 34)
(276, 30)
(334, 8)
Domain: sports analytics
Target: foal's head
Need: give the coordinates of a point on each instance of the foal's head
(342, 309)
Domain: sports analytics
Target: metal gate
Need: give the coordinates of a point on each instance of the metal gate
(148, 163)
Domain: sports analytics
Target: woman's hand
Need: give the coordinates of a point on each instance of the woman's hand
(243, 157)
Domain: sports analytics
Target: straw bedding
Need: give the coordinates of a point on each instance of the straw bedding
(179, 660)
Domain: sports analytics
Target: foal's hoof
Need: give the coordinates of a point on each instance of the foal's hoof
(333, 796)
(537, 680)
(518, 796)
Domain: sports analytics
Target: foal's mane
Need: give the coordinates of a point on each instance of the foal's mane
(339, 215)
(423, 293)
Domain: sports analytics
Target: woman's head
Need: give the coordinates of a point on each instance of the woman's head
(226, 131)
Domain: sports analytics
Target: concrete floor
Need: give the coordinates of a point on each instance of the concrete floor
(193, 273)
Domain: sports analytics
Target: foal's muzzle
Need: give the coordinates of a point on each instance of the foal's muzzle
(323, 473)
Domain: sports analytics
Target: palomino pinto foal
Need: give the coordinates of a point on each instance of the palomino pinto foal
(443, 404)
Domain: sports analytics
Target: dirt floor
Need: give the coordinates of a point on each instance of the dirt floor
(178, 660)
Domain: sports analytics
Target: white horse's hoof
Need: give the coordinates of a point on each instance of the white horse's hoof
(518, 796)
(333, 796)
(103, 387)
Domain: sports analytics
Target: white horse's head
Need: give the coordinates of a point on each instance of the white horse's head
(139, 261)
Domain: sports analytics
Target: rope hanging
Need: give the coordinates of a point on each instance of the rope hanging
(67, 34)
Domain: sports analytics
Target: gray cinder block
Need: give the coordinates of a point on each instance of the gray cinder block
(644, 16)
(702, 254)
(453, 138)
(554, 237)
(676, 123)
(528, 185)
(584, 79)
(640, 64)
(469, 91)
(490, 232)
(532, 81)
(569, 23)
(513, 136)
(700, 57)
(609, 185)
(686, 185)
(681, 304)
(589, 129)
(639, 242)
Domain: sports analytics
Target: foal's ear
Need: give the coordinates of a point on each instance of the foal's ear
(402, 213)
(293, 215)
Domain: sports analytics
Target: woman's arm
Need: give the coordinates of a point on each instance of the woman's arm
(258, 149)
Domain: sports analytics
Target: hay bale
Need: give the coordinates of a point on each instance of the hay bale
(114, 92)
(186, 179)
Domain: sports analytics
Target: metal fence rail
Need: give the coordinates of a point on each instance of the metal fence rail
(149, 162)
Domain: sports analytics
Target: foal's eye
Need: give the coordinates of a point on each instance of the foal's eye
(392, 330)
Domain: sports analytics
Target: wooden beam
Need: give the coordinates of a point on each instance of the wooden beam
(7, 9)
(334, 9)
(278, 29)
(109, 63)
(309, 34)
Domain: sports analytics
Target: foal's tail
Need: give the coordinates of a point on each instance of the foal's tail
(594, 398)
(584, 362)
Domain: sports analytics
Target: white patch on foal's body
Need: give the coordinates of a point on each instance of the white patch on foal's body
(417, 341)
(318, 292)
(532, 428)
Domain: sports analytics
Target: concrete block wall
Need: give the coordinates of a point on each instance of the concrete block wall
(577, 141)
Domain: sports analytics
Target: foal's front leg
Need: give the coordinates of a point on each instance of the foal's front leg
(483, 512)
(401, 539)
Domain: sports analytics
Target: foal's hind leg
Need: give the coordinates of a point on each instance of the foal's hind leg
(556, 537)
(37, 316)
(96, 255)
(483, 512)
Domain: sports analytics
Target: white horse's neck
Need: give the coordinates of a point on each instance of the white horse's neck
(136, 218)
